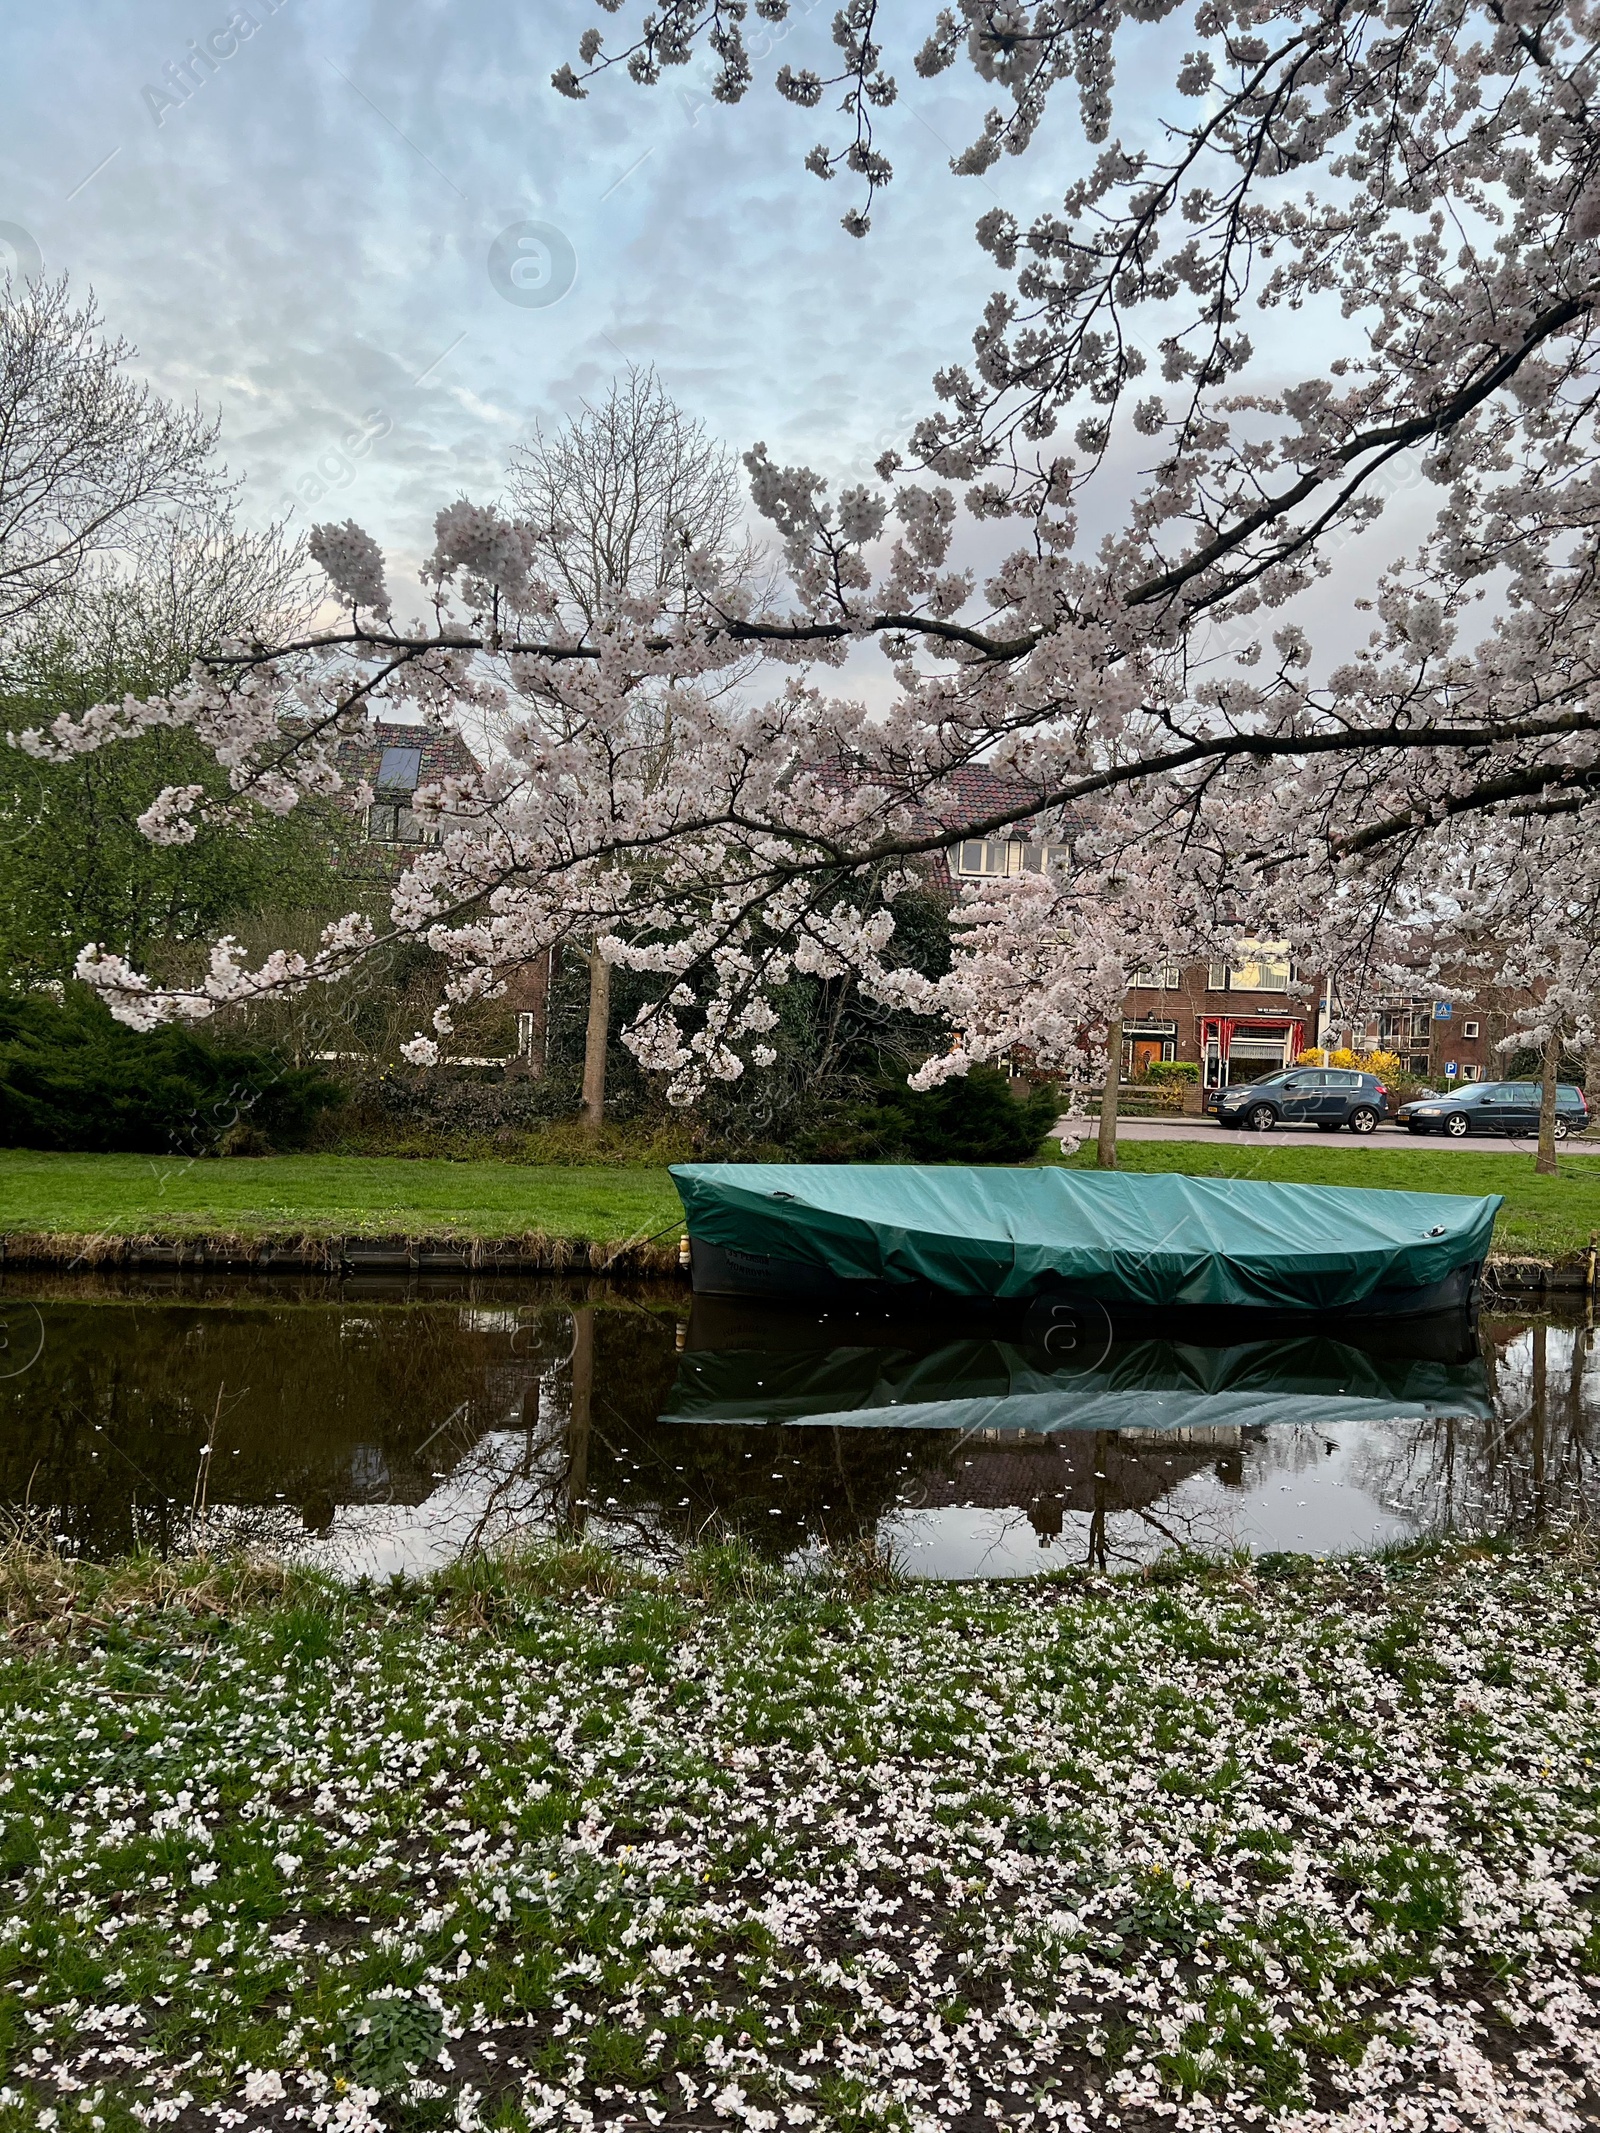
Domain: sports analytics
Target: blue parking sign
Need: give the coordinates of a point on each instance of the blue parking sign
(1450, 1068)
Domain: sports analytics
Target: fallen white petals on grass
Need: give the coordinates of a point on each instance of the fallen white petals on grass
(1319, 1851)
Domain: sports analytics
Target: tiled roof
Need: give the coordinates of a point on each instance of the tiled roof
(444, 753)
(976, 791)
(981, 791)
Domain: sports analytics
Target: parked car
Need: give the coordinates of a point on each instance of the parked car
(1325, 1097)
(1494, 1107)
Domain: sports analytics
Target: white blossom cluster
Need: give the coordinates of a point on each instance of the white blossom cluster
(354, 564)
(1316, 1851)
(491, 553)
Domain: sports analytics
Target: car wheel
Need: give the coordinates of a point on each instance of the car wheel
(1261, 1118)
(1458, 1125)
(1363, 1119)
(1562, 1129)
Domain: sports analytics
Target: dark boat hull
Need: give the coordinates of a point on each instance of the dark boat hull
(718, 1270)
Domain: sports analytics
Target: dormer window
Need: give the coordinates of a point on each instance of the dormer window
(995, 858)
(390, 819)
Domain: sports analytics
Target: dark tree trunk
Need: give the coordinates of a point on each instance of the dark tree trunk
(578, 1426)
(1545, 1162)
(1106, 1152)
(594, 1043)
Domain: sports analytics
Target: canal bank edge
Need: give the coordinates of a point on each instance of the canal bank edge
(533, 1252)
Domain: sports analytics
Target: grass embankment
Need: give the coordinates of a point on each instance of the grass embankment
(326, 1196)
(1543, 1218)
(547, 1845)
(376, 1196)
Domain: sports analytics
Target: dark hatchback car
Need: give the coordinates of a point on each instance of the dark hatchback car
(1494, 1107)
(1326, 1097)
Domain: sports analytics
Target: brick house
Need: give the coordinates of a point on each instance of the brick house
(1246, 1020)
(1432, 1035)
(1235, 1021)
(1016, 849)
(396, 759)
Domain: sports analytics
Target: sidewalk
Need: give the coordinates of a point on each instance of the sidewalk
(1202, 1131)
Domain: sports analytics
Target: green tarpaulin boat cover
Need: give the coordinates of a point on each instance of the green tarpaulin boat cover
(971, 1385)
(1123, 1237)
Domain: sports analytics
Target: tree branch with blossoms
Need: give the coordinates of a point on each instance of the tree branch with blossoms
(1423, 189)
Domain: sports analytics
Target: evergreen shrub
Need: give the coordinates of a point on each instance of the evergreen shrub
(72, 1077)
(972, 1119)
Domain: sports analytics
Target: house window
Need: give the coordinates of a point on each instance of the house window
(1265, 968)
(399, 771)
(1470, 1072)
(1469, 1029)
(994, 858)
(1169, 978)
(390, 824)
(980, 858)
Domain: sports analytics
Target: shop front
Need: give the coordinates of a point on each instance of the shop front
(1235, 1048)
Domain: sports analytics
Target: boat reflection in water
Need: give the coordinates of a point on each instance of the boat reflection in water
(375, 1427)
(1063, 1373)
(1068, 1421)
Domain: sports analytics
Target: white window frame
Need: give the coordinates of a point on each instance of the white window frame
(402, 827)
(1270, 970)
(999, 858)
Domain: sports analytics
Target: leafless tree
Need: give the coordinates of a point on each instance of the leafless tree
(620, 495)
(86, 455)
(180, 580)
(617, 500)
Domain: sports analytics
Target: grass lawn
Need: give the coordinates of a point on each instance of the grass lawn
(546, 1844)
(339, 1195)
(1543, 1218)
(327, 1195)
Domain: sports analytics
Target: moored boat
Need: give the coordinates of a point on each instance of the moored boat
(1132, 1243)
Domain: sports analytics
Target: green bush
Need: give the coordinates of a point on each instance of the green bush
(1173, 1070)
(71, 1077)
(973, 1119)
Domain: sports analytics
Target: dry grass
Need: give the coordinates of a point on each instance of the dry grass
(47, 1598)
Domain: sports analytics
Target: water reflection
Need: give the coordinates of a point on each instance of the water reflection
(375, 1427)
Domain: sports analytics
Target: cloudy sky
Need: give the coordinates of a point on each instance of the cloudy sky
(313, 240)
(379, 242)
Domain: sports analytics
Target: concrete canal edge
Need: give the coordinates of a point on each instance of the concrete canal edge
(1510, 1279)
(336, 1257)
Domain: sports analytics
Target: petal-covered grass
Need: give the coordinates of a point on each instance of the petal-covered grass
(549, 1844)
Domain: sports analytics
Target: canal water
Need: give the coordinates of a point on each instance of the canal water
(373, 1427)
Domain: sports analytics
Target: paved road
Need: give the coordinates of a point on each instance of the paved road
(1208, 1135)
